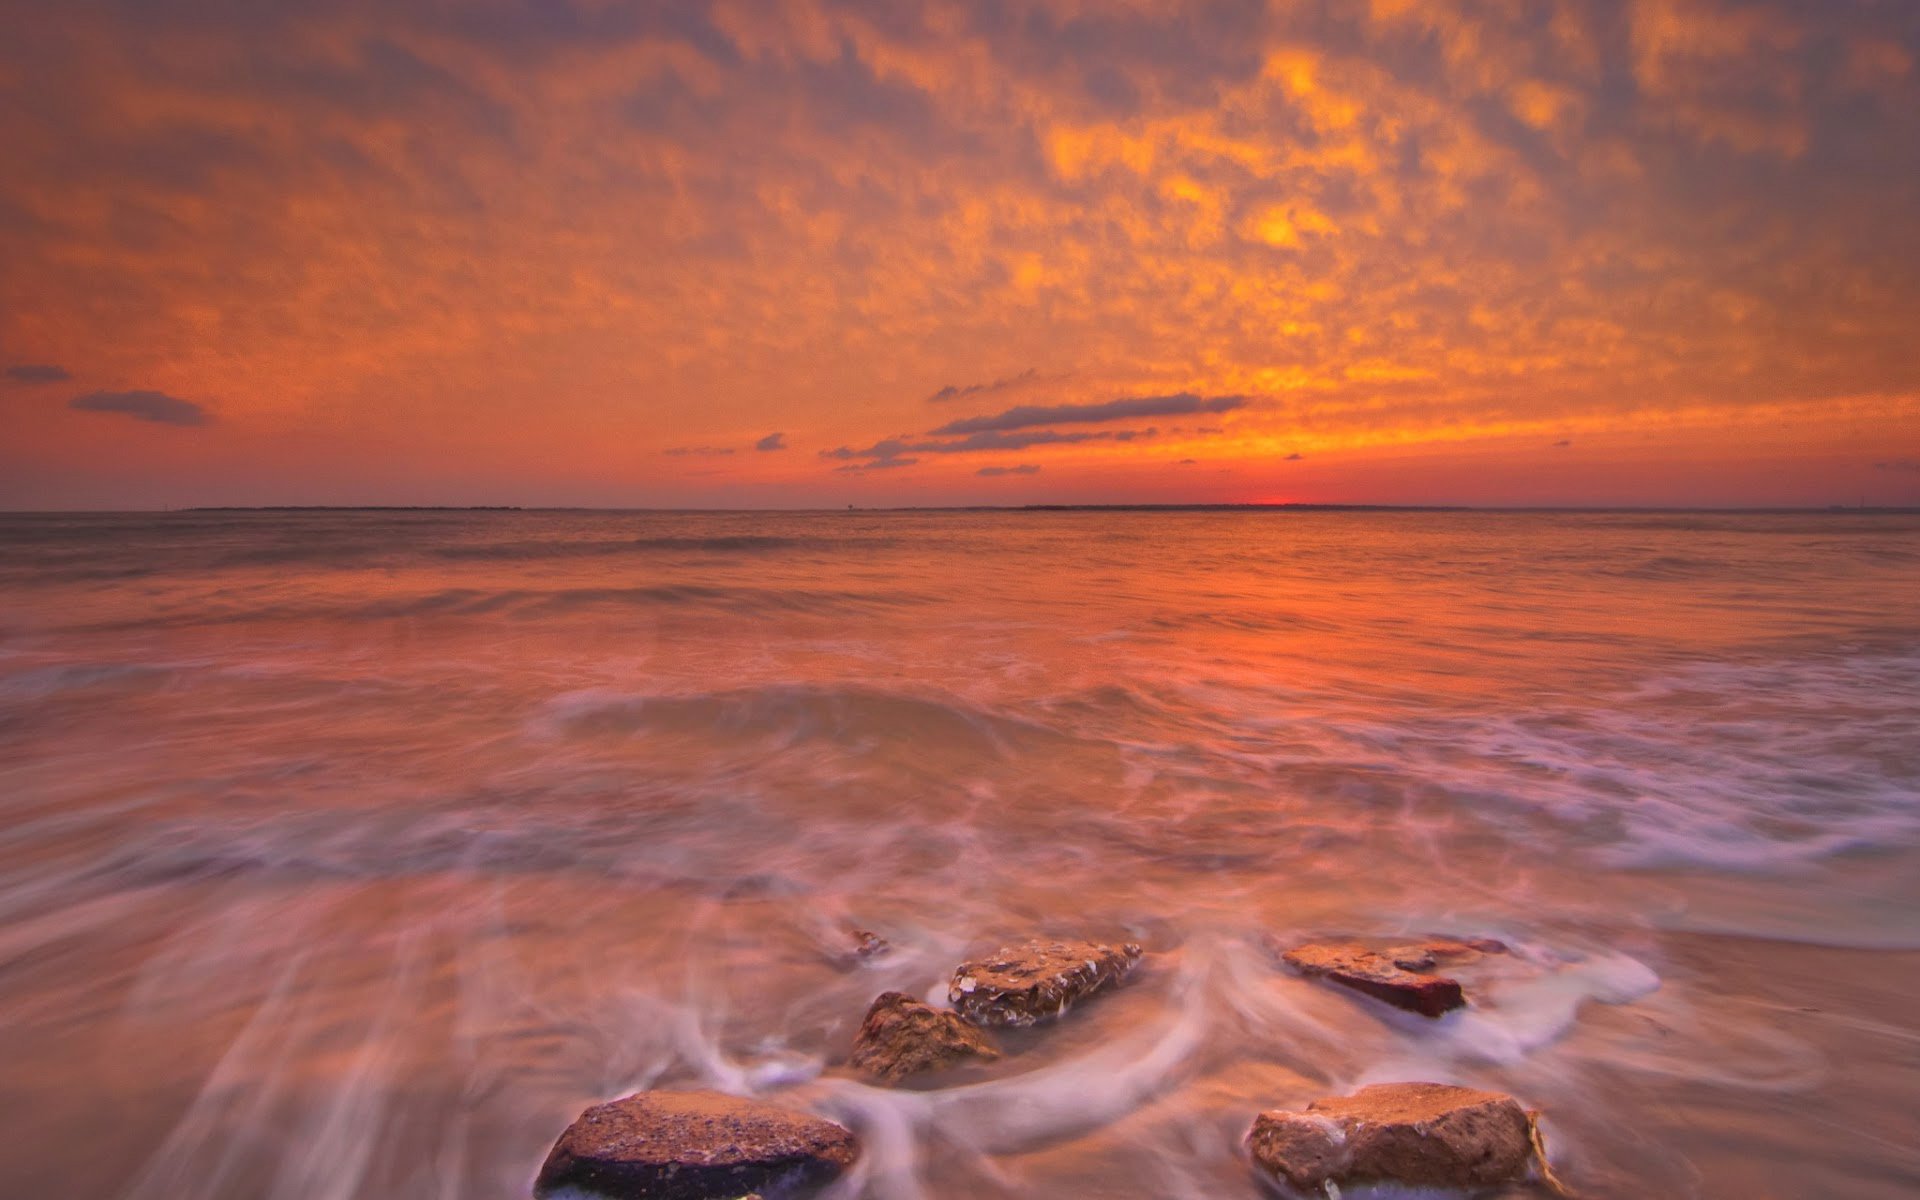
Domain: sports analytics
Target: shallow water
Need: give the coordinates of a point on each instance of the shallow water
(351, 854)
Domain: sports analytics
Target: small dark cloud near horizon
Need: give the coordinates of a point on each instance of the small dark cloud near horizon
(38, 373)
(1027, 416)
(697, 451)
(1187, 462)
(879, 464)
(1296, 456)
(955, 391)
(1563, 442)
(1903, 466)
(1022, 469)
(144, 405)
(773, 441)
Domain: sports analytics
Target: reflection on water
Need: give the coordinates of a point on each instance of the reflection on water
(351, 855)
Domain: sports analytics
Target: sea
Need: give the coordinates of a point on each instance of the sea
(351, 854)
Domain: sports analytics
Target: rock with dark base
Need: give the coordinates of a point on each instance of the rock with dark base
(695, 1146)
(902, 1037)
(1417, 1134)
(1397, 976)
(1037, 980)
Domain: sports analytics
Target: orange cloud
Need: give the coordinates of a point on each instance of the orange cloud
(515, 257)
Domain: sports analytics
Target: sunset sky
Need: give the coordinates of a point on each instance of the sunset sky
(814, 253)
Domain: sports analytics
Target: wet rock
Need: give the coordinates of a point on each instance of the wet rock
(1396, 976)
(1417, 1134)
(1037, 980)
(1422, 956)
(868, 944)
(902, 1037)
(695, 1146)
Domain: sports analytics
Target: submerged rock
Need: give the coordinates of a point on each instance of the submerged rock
(1037, 980)
(868, 944)
(902, 1037)
(1397, 976)
(1418, 1134)
(695, 1146)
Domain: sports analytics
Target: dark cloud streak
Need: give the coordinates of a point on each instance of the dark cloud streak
(157, 407)
(878, 464)
(956, 391)
(1027, 416)
(38, 373)
(986, 443)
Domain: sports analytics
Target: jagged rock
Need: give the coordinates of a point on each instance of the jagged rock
(868, 944)
(695, 1146)
(1037, 980)
(1418, 1134)
(902, 1037)
(1396, 976)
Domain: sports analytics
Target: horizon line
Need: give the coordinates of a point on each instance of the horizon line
(1119, 506)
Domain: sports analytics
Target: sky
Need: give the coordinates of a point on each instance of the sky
(576, 252)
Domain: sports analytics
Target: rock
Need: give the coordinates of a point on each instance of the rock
(1421, 956)
(868, 944)
(695, 1146)
(1418, 1134)
(1038, 980)
(902, 1037)
(1395, 976)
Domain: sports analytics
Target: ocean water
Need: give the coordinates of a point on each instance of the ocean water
(352, 854)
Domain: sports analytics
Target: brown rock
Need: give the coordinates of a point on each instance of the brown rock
(1418, 1134)
(902, 1037)
(1421, 956)
(868, 944)
(1395, 976)
(1037, 980)
(695, 1146)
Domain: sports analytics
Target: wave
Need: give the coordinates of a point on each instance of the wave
(1671, 567)
(528, 603)
(125, 550)
(844, 715)
(1798, 760)
(719, 544)
(40, 683)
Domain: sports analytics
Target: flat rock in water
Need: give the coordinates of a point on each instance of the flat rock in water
(1418, 1134)
(695, 1146)
(1398, 976)
(1037, 980)
(902, 1037)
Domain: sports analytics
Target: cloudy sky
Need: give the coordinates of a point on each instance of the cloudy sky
(818, 253)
